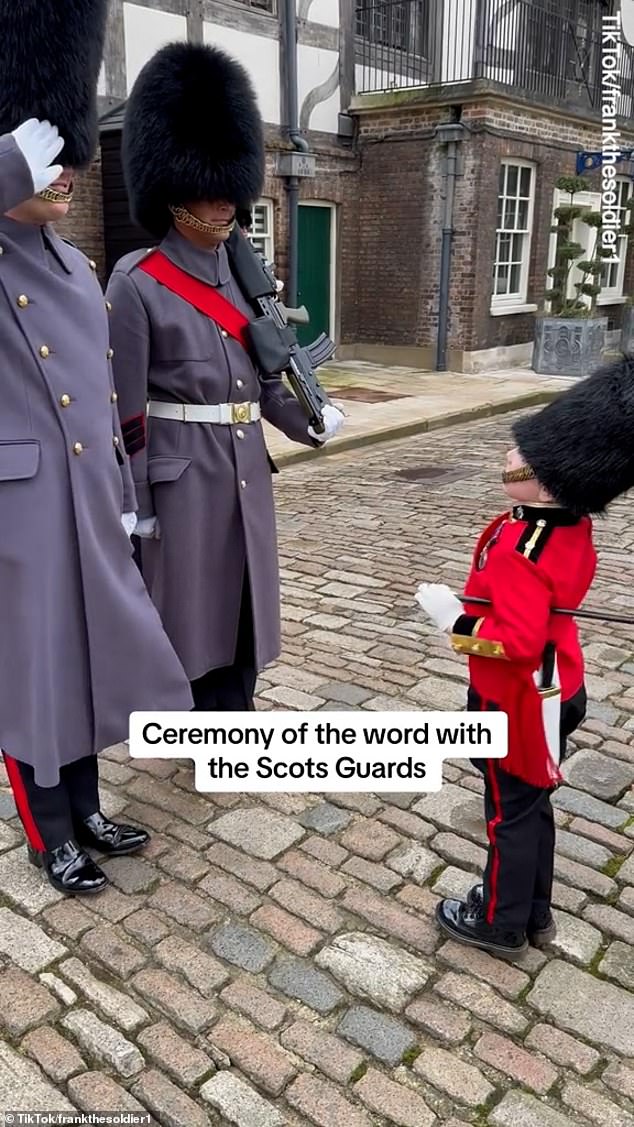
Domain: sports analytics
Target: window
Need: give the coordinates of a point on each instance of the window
(613, 272)
(385, 21)
(262, 230)
(516, 193)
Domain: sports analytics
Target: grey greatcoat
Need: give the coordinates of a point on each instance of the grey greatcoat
(81, 645)
(209, 485)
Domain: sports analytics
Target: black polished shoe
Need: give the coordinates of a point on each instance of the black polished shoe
(468, 925)
(112, 838)
(541, 930)
(70, 870)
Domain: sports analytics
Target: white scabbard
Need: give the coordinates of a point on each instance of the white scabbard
(551, 711)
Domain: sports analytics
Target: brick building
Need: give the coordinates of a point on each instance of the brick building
(388, 94)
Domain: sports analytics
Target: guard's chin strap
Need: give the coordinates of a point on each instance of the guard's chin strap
(512, 477)
(218, 230)
(52, 196)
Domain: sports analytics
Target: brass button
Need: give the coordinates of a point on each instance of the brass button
(239, 383)
(23, 301)
(114, 397)
(45, 352)
(93, 265)
(240, 434)
(110, 353)
(109, 307)
(64, 400)
(115, 440)
(78, 448)
(243, 484)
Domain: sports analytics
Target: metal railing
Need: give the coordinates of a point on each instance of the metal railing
(542, 54)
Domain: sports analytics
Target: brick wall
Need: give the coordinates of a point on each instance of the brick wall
(84, 222)
(401, 203)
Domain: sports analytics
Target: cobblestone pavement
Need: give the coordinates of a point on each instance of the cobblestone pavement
(275, 962)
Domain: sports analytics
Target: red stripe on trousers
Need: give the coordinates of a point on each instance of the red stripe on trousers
(22, 804)
(491, 828)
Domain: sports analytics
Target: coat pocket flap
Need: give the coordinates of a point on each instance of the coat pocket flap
(19, 460)
(166, 468)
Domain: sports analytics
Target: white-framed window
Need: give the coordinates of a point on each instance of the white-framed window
(262, 229)
(613, 274)
(516, 199)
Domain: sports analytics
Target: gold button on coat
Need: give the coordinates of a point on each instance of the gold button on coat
(114, 397)
(45, 352)
(64, 400)
(78, 448)
(23, 301)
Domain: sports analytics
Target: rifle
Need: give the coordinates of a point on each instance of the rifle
(273, 342)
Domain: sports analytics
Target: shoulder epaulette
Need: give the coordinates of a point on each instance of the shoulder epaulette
(533, 540)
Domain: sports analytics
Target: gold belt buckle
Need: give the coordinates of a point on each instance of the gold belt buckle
(241, 412)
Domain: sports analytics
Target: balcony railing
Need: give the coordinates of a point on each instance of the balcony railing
(545, 55)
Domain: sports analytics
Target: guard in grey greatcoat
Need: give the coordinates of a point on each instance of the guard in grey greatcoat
(200, 466)
(81, 645)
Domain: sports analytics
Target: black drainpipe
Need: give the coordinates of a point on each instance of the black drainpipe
(289, 47)
(449, 134)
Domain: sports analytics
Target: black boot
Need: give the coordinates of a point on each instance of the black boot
(540, 929)
(112, 838)
(468, 925)
(69, 869)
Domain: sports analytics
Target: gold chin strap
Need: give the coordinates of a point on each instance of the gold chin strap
(512, 477)
(55, 197)
(220, 230)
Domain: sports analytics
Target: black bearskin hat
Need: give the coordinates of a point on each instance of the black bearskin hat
(581, 446)
(50, 57)
(192, 132)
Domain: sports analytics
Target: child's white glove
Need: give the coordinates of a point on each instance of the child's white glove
(440, 604)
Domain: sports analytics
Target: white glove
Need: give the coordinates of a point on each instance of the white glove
(440, 604)
(40, 142)
(333, 421)
(129, 522)
(148, 528)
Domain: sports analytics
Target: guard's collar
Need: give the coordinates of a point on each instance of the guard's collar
(550, 514)
(36, 240)
(210, 266)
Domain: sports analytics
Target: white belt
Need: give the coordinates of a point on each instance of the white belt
(224, 414)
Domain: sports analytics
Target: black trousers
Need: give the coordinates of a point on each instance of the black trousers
(232, 687)
(49, 814)
(518, 878)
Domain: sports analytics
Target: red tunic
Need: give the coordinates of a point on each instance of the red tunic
(526, 563)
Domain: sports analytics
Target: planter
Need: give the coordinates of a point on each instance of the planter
(568, 346)
(627, 330)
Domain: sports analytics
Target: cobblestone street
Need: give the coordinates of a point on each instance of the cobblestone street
(275, 962)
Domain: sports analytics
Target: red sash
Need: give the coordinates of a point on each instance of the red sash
(202, 296)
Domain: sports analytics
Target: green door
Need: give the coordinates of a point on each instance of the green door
(313, 275)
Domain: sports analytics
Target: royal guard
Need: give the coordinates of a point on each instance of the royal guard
(571, 460)
(81, 645)
(191, 398)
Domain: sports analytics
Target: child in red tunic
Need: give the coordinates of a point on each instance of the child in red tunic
(571, 459)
